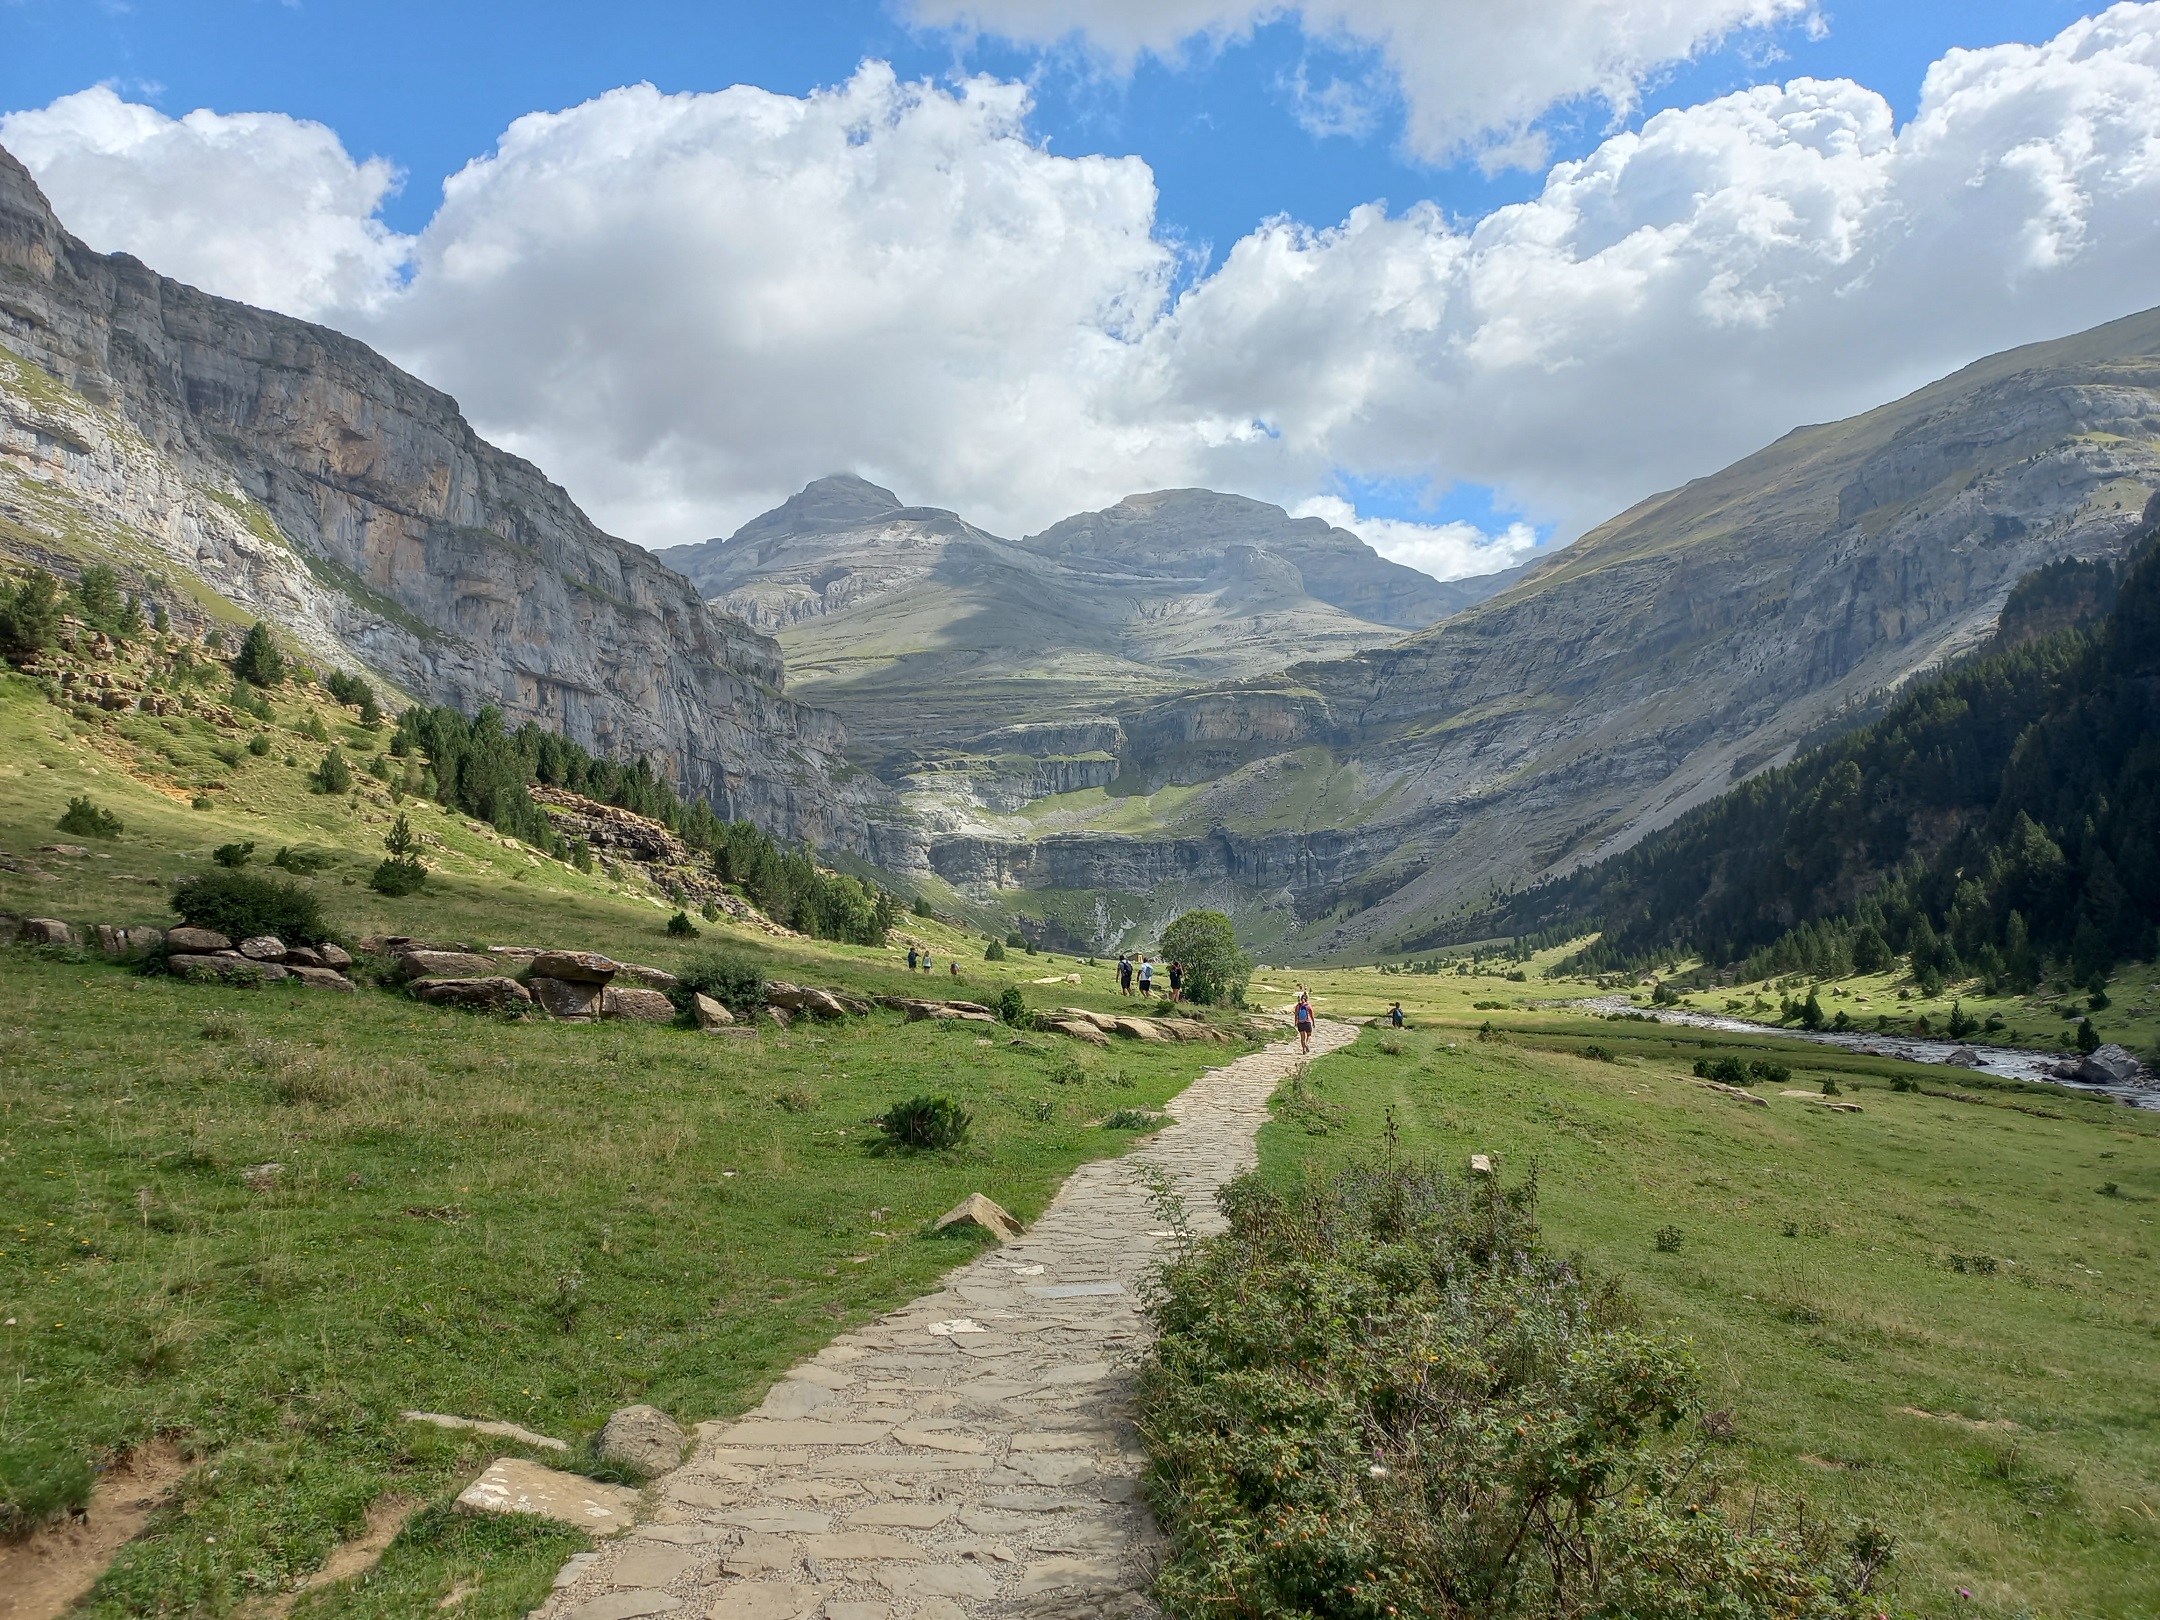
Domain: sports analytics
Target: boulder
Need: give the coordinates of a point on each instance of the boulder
(123, 942)
(496, 994)
(262, 948)
(643, 1006)
(304, 956)
(976, 1210)
(1966, 1058)
(1081, 1031)
(197, 940)
(1105, 1022)
(779, 993)
(641, 1437)
(334, 956)
(709, 1013)
(433, 964)
(651, 978)
(565, 998)
(513, 1485)
(319, 978)
(1140, 1029)
(231, 969)
(575, 967)
(1481, 1164)
(47, 931)
(2111, 1065)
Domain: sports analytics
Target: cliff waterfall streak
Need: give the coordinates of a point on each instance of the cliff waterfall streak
(299, 475)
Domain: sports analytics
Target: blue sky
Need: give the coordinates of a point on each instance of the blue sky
(431, 87)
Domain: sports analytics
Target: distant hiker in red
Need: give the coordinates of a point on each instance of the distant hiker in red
(1303, 1015)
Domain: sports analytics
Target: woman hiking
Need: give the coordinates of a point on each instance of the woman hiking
(1304, 1019)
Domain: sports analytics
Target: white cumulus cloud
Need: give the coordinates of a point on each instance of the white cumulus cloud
(261, 207)
(1454, 550)
(1474, 74)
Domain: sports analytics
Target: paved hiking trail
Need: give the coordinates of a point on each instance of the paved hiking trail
(971, 1454)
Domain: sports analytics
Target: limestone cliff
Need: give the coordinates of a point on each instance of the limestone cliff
(240, 455)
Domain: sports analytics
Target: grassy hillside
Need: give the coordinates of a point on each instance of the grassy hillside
(1937, 1312)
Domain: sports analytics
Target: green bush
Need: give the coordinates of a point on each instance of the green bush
(681, 927)
(734, 981)
(1216, 971)
(1012, 1007)
(398, 878)
(1016, 940)
(1726, 1071)
(240, 904)
(88, 820)
(234, 856)
(333, 775)
(1134, 1119)
(2088, 1038)
(994, 951)
(1378, 1395)
(925, 1123)
(29, 616)
(922, 906)
(1768, 1073)
(300, 862)
(259, 744)
(258, 661)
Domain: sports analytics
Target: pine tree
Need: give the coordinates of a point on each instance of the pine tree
(259, 662)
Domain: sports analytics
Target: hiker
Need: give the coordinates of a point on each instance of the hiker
(912, 958)
(1177, 980)
(926, 959)
(1124, 974)
(1394, 1015)
(954, 964)
(1303, 1016)
(1147, 978)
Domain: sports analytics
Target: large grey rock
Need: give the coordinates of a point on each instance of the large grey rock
(197, 941)
(47, 931)
(650, 978)
(709, 1013)
(478, 995)
(262, 948)
(513, 1485)
(576, 967)
(334, 956)
(427, 964)
(120, 943)
(2112, 1065)
(319, 978)
(640, 1006)
(566, 998)
(641, 1437)
(976, 1210)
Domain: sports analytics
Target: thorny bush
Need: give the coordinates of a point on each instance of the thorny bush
(1378, 1396)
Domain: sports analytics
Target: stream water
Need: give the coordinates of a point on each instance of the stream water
(2011, 1063)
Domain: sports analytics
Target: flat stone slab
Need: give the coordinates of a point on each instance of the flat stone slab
(971, 1455)
(513, 1485)
(489, 1427)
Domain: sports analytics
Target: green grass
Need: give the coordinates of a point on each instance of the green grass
(530, 1221)
(1818, 1276)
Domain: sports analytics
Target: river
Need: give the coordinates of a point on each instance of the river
(2011, 1063)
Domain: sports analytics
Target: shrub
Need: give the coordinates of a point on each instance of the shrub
(259, 744)
(235, 856)
(1134, 1119)
(1598, 1054)
(922, 906)
(1066, 1070)
(300, 862)
(1669, 1239)
(2088, 1038)
(29, 616)
(1016, 940)
(88, 820)
(258, 662)
(1377, 1394)
(1216, 971)
(1725, 1071)
(925, 1123)
(239, 904)
(681, 927)
(1830, 1087)
(1768, 1073)
(733, 981)
(994, 951)
(397, 878)
(1012, 1007)
(333, 775)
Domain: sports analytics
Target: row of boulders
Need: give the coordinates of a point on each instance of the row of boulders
(204, 954)
(578, 986)
(1097, 1028)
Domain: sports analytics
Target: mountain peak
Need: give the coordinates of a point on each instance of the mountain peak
(824, 506)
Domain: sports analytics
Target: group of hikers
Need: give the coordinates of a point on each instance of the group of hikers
(919, 958)
(1130, 967)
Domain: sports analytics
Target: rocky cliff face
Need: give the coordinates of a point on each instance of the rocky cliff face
(296, 473)
(1703, 635)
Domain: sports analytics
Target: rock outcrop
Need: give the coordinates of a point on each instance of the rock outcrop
(296, 474)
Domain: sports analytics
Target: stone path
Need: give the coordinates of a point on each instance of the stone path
(970, 1455)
